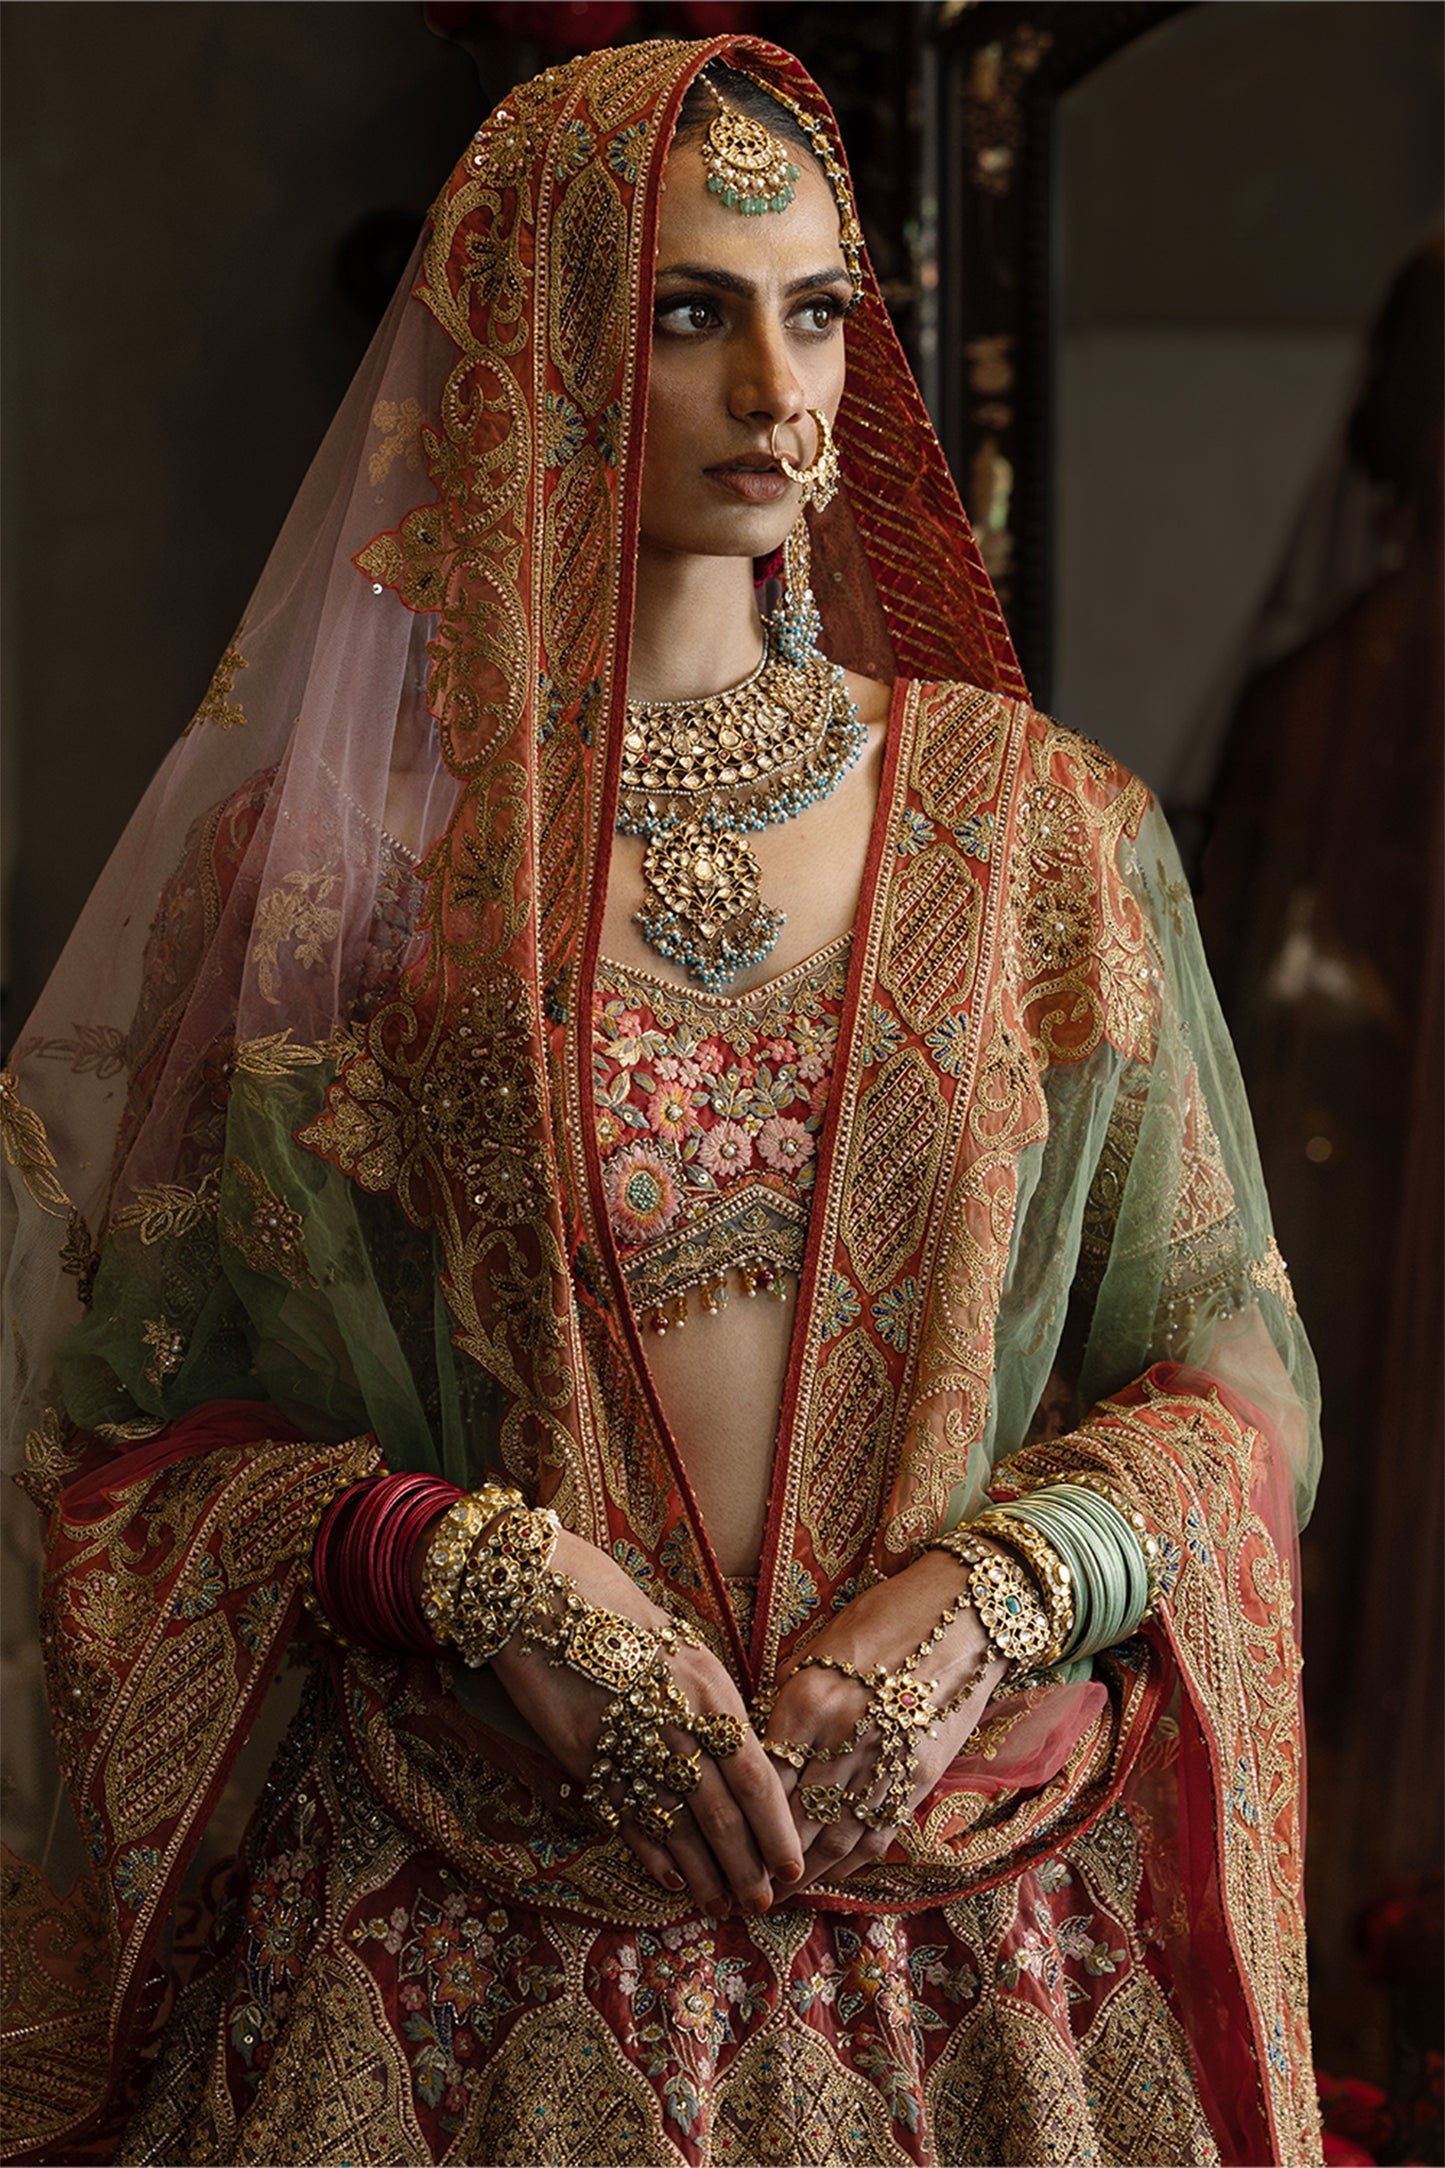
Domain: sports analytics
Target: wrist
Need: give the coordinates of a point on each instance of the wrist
(1021, 1597)
(963, 1650)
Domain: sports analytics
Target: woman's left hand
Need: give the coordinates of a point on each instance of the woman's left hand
(816, 1706)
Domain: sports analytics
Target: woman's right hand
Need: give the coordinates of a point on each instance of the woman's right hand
(734, 1838)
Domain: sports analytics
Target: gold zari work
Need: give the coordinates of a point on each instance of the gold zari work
(435, 1957)
(218, 707)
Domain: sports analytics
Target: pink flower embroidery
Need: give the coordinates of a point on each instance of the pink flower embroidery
(811, 1067)
(641, 1192)
(777, 1050)
(784, 1143)
(725, 1150)
(670, 1111)
(710, 1057)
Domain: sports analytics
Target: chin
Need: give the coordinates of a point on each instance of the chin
(754, 540)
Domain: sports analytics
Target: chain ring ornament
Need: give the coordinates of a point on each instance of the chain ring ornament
(828, 1803)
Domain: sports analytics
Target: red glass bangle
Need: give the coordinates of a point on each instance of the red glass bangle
(362, 1560)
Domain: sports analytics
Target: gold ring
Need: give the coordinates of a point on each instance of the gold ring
(828, 1803)
(719, 1734)
(656, 1820)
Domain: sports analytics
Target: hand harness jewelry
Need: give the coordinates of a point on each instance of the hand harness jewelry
(903, 1708)
(487, 1576)
(700, 775)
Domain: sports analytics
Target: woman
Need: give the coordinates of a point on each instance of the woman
(518, 1001)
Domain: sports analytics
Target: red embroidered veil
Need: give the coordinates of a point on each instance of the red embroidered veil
(297, 1145)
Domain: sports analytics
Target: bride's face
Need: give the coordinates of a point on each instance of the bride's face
(747, 333)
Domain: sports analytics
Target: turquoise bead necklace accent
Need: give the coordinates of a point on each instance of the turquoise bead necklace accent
(700, 775)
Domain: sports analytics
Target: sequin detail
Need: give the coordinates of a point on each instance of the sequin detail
(709, 1108)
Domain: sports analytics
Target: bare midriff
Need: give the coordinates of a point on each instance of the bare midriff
(720, 1377)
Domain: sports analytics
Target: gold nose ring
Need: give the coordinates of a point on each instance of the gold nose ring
(819, 480)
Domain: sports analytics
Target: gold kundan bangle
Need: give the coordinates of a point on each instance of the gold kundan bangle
(451, 1546)
(1013, 1617)
(501, 1579)
(1054, 1578)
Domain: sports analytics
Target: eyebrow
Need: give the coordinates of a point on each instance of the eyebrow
(729, 282)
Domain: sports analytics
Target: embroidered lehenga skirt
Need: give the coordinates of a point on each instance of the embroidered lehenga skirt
(367, 2005)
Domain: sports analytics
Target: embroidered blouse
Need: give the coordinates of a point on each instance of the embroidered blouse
(708, 1110)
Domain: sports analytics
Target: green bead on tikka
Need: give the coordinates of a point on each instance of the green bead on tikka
(751, 206)
(747, 168)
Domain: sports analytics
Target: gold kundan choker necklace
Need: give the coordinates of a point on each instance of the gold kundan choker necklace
(699, 775)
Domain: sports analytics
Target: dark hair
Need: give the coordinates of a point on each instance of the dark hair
(747, 97)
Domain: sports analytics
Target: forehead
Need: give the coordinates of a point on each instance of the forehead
(697, 227)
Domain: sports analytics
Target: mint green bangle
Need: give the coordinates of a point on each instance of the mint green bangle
(1123, 1542)
(1091, 1535)
(1107, 1565)
(1062, 1533)
(1116, 1543)
(1100, 1565)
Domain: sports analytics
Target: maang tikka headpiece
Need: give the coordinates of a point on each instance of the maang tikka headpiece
(746, 166)
(751, 170)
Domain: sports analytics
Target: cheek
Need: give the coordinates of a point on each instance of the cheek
(832, 374)
(673, 432)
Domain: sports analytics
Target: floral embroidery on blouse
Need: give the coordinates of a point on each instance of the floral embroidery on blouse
(708, 1110)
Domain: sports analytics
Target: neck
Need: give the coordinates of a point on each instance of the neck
(695, 626)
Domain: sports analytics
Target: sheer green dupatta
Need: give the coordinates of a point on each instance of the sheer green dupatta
(1143, 1231)
(1179, 1372)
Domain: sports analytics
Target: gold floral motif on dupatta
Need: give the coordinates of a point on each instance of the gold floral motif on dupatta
(400, 424)
(52, 1452)
(27, 1149)
(164, 1211)
(218, 707)
(271, 1236)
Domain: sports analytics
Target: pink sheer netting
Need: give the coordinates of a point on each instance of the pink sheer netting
(283, 831)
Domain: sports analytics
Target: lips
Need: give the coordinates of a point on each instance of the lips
(759, 481)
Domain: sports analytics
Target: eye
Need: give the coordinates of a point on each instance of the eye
(818, 315)
(686, 313)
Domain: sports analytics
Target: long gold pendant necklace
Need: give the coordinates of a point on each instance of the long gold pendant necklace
(698, 776)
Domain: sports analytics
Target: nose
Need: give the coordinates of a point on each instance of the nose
(765, 388)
